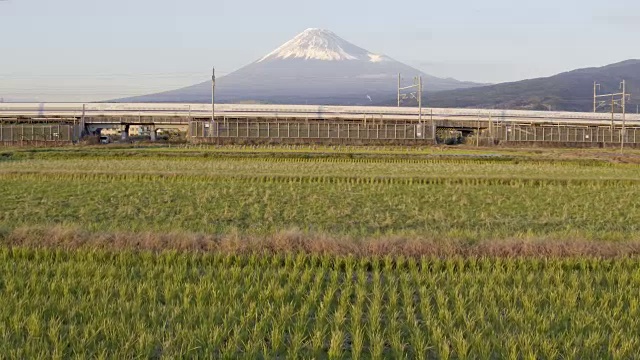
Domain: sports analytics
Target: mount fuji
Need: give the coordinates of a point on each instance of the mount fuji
(315, 67)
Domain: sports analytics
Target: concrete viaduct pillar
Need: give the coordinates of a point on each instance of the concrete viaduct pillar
(124, 135)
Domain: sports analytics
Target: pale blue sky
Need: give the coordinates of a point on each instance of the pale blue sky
(82, 50)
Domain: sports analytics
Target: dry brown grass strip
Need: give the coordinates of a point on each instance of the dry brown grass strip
(293, 241)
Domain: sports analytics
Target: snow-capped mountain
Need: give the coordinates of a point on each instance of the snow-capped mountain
(320, 44)
(315, 67)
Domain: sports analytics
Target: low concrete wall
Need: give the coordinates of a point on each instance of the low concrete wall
(310, 141)
(35, 143)
(567, 144)
(407, 142)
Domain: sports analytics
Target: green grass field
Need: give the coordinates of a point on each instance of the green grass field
(244, 252)
(472, 198)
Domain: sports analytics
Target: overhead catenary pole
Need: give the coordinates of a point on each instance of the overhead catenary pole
(399, 78)
(83, 126)
(613, 107)
(416, 93)
(595, 95)
(624, 112)
(213, 102)
(410, 95)
(420, 99)
(614, 102)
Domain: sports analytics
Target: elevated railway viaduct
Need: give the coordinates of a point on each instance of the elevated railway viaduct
(36, 123)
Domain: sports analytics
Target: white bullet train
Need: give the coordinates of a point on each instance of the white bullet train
(258, 111)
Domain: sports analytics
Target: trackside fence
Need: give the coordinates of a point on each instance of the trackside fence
(38, 133)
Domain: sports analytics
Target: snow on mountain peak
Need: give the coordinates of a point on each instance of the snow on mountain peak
(321, 44)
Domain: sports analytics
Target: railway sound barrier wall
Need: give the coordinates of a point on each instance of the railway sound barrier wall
(317, 130)
(483, 133)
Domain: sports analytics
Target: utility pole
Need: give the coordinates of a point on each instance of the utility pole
(213, 102)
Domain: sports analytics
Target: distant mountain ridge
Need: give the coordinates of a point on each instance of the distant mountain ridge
(315, 67)
(569, 91)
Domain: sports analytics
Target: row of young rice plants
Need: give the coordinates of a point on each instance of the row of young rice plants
(96, 304)
(361, 207)
(270, 150)
(368, 167)
(275, 150)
